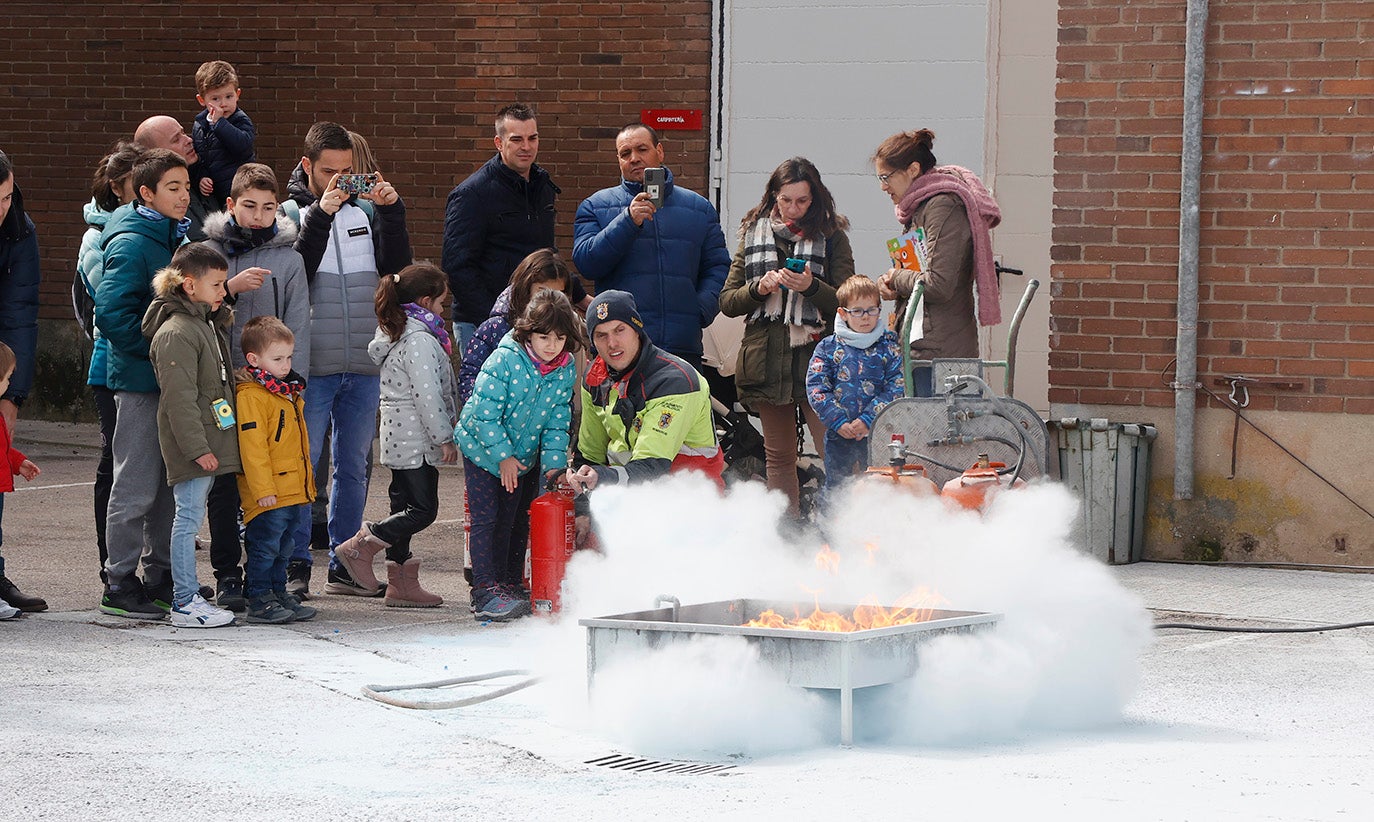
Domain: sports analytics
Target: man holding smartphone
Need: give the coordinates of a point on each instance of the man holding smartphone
(348, 242)
(667, 251)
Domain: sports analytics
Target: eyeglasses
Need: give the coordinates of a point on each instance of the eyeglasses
(883, 178)
(863, 312)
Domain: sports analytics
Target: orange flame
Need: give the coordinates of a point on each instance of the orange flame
(916, 606)
(828, 560)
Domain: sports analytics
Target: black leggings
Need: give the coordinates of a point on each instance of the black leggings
(414, 496)
(226, 552)
(104, 470)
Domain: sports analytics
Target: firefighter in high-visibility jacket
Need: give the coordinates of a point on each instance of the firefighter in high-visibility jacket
(645, 412)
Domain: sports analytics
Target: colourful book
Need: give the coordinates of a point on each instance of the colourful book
(909, 250)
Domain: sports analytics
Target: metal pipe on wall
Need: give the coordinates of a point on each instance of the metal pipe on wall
(1185, 347)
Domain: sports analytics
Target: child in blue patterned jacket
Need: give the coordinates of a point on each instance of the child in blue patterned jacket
(853, 374)
(516, 421)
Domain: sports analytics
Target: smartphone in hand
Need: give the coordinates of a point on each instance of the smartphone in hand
(356, 183)
(656, 185)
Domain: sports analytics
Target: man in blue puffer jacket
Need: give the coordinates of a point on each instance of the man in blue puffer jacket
(673, 259)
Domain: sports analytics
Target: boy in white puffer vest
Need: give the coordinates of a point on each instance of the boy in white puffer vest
(347, 248)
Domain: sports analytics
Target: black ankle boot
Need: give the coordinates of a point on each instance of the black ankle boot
(298, 578)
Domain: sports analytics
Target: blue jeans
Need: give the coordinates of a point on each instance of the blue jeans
(843, 459)
(465, 332)
(348, 402)
(190, 496)
(269, 540)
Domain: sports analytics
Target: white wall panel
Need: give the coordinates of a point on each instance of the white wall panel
(829, 81)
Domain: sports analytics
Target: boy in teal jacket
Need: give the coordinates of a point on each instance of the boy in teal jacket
(138, 240)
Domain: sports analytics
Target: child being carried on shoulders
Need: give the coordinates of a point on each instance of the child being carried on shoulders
(223, 135)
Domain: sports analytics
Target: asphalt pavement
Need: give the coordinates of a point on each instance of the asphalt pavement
(107, 718)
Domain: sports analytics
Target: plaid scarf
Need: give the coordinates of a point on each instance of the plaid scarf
(804, 320)
(433, 322)
(289, 386)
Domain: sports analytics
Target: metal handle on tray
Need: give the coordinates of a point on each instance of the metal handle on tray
(676, 603)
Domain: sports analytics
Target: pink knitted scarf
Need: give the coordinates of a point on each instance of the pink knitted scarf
(983, 216)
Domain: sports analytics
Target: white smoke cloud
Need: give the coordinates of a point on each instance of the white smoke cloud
(1064, 656)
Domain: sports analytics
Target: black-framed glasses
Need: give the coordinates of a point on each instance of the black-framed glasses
(883, 178)
(863, 312)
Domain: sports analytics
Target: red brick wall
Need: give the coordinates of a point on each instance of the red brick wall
(1287, 244)
(421, 80)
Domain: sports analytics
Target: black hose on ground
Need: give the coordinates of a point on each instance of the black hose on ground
(1242, 629)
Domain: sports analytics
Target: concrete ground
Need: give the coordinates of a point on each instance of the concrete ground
(108, 718)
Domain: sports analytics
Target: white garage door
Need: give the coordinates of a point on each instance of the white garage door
(829, 81)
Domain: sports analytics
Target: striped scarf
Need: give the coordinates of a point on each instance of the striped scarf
(804, 320)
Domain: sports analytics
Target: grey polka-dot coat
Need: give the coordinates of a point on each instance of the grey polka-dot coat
(419, 397)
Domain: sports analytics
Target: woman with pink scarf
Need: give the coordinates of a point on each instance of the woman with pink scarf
(957, 214)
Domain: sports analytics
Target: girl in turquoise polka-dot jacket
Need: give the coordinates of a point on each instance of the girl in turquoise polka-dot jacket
(515, 422)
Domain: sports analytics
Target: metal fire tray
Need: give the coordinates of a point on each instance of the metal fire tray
(829, 660)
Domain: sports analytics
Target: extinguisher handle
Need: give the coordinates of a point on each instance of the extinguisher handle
(558, 482)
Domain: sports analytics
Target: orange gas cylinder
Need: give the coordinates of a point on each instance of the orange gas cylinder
(978, 484)
(908, 477)
(553, 528)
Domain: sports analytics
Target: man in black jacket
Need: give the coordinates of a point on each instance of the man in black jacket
(495, 218)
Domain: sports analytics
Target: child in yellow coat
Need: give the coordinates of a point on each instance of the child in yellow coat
(277, 479)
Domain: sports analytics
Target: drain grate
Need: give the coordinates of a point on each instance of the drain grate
(637, 765)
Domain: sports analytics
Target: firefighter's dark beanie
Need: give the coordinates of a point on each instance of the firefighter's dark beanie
(614, 305)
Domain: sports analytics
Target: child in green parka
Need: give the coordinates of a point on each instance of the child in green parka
(189, 323)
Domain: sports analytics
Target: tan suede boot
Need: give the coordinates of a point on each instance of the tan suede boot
(403, 586)
(355, 555)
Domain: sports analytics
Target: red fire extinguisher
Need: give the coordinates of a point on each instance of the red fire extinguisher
(553, 528)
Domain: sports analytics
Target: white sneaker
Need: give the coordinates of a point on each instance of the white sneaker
(200, 614)
(8, 611)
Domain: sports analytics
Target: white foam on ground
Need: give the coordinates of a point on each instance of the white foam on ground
(1063, 657)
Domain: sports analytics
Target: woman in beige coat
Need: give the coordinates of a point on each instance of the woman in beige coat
(956, 213)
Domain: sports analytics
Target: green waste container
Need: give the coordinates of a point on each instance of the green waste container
(1107, 465)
